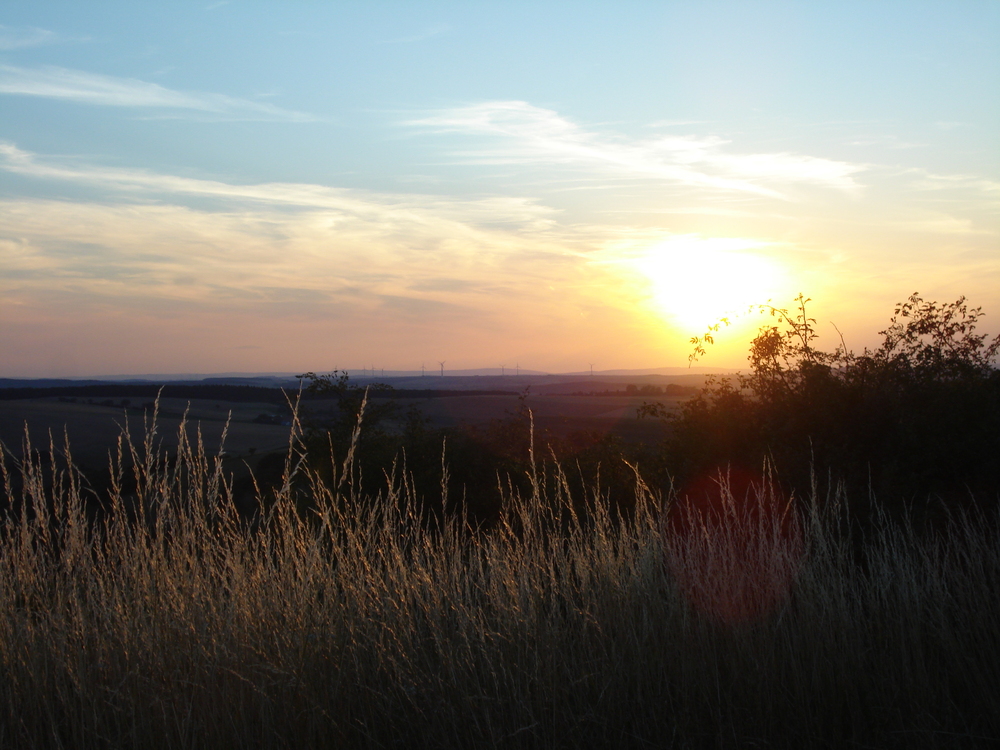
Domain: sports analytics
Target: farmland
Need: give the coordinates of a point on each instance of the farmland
(94, 423)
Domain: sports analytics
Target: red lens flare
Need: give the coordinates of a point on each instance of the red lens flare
(733, 543)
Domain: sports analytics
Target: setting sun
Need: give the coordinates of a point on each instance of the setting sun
(695, 281)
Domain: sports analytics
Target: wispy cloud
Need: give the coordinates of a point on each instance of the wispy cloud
(20, 37)
(427, 33)
(532, 134)
(522, 213)
(416, 271)
(91, 88)
(297, 236)
(409, 279)
(889, 141)
(940, 224)
(927, 180)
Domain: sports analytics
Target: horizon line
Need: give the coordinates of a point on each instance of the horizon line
(365, 373)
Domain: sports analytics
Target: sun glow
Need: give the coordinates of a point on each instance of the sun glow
(694, 282)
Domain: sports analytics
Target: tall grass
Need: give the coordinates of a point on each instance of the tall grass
(167, 620)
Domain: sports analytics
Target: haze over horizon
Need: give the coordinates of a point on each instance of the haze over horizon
(264, 187)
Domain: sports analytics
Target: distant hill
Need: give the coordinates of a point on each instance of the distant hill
(212, 392)
(260, 381)
(268, 387)
(87, 390)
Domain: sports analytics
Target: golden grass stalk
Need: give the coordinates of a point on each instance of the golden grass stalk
(164, 619)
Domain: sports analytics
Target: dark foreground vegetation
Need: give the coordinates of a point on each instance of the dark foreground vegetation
(582, 602)
(912, 427)
(914, 423)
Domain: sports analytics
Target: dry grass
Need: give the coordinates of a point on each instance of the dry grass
(743, 623)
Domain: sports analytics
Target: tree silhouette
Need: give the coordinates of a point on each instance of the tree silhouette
(917, 416)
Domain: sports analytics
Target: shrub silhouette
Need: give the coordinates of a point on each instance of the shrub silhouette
(917, 417)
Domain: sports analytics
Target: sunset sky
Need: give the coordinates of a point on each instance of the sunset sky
(277, 187)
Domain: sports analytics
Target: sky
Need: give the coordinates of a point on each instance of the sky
(278, 187)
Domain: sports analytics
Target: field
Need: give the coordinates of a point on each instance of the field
(560, 414)
(754, 620)
(94, 425)
(94, 428)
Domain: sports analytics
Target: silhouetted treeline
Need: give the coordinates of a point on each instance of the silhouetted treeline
(913, 421)
(672, 389)
(236, 393)
(430, 393)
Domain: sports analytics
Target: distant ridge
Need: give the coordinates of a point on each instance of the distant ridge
(260, 381)
(284, 379)
(649, 371)
(462, 380)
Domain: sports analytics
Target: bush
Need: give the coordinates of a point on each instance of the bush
(917, 417)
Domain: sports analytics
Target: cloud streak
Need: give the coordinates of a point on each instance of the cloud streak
(530, 134)
(13, 37)
(90, 88)
(427, 33)
(338, 241)
(309, 284)
(514, 213)
(368, 271)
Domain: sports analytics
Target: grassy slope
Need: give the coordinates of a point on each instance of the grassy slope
(358, 627)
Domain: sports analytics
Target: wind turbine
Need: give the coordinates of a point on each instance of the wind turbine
(518, 370)
(442, 367)
(502, 371)
(421, 369)
(591, 369)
